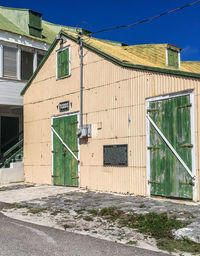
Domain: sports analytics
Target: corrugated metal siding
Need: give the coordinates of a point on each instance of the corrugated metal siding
(114, 103)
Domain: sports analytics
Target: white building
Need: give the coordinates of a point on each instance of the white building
(24, 40)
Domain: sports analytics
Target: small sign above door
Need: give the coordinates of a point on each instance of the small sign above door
(64, 106)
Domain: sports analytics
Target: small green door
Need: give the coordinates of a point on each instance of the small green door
(65, 166)
(168, 177)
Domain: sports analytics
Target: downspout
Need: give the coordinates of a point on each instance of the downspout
(81, 80)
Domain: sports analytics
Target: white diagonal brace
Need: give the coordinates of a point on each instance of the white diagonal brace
(64, 144)
(170, 146)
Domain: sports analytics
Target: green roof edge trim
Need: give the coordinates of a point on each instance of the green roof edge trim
(112, 59)
(19, 9)
(12, 8)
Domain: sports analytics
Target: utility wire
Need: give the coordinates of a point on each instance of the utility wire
(145, 20)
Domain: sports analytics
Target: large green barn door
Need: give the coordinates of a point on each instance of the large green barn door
(168, 176)
(65, 165)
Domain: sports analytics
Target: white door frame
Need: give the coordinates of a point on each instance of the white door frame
(60, 116)
(192, 122)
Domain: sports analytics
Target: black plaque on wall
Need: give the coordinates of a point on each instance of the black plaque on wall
(115, 155)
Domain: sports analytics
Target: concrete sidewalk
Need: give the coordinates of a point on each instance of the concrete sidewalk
(19, 192)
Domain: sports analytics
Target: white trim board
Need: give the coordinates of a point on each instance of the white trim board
(192, 123)
(171, 95)
(22, 40)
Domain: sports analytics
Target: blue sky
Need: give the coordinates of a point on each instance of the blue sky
(180, 28)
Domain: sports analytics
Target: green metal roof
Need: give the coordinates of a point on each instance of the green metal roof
(125, 56)
(14, 20)
(8, 26)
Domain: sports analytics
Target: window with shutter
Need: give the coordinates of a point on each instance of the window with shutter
(9, 62)
(26, 65)
(63, 65)
(39, 58)
(173, 58)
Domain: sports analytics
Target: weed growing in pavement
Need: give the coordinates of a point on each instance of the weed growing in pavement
(35, 211)
(80, 211)
(111, 213)
(158, 226)
(56, 212)
(132, 242)
(185, 245)
(88, 218)
(66, 226)
(93, 212)
(142, 205)
(13, 206)
(153, 224)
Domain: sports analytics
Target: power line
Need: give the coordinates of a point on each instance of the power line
(149, 19)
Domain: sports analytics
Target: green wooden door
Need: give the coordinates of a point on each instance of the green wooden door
(168, 177)
(65, 166)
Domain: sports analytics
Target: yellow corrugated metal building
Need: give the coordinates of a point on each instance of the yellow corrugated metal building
(140, 109)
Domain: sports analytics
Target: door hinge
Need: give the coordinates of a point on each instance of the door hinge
(186, 146)
(75, 177)
(187, 183)
(54, 151)
(74, 122)
(54, 176)
(54, 125)
(76, 150)
(154, 148)
(152, 110)
(185, 106)
(153, 182)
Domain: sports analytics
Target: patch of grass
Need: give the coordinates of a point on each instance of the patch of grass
(185, 245)
(142, 205)
(65, 226)
(132, 242)
(35, 211)
(13, 206)
(93, 212)
(107, 211)
(3, 188)
(54, 213)
(153, 224)
(111, 213)
(80, 211)
(158, 226)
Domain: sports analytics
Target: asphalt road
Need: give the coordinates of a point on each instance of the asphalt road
(19, 238)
